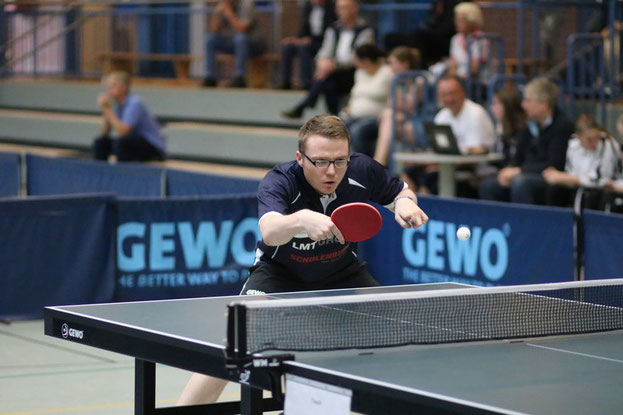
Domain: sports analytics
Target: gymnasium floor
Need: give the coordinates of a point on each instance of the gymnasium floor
(42, 375)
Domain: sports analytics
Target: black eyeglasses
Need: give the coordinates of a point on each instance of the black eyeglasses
(324, 164)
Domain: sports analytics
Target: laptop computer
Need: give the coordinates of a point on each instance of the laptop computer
(441, 138)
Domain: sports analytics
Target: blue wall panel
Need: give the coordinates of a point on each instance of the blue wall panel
(9, 174)
(57, 176)
(53, 252)
(182, 183)
(603, 245)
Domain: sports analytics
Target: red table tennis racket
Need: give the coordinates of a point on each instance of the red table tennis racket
(357, 221)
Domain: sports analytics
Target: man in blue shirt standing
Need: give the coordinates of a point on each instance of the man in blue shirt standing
(301, 248)
(140, 138)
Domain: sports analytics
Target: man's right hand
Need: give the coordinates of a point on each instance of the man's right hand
(103, 100)
(280, 229)
(507, 174)
(324, 67)
(319, 227)
(220, 7)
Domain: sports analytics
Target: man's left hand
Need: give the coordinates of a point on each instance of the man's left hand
(408, 214)
(103, 100)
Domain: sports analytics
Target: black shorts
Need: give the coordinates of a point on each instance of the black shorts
(270, 278)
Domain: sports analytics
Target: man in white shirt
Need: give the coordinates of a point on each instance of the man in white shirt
(469, 121)
(335, 70)
(470, 124)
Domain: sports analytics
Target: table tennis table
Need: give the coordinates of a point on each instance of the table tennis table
(577, 374)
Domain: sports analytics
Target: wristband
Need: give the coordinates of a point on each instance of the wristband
(404, 197)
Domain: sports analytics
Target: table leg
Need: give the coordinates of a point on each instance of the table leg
(447, 183)
(144, 387)
(250, 400)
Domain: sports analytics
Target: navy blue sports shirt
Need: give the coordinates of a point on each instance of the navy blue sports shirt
(284, 190)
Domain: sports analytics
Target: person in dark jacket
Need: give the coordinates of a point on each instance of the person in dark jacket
(432, 37)
(542, 144)
(317, 15)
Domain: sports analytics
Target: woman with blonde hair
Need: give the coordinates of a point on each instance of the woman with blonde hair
(468, 21)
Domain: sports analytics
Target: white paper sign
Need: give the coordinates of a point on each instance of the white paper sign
(308, 397)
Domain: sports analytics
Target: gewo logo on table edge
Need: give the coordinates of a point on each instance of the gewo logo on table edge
(67, 332)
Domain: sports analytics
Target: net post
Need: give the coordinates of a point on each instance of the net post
(236, 350)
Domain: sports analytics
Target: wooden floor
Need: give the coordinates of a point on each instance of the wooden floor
(38, 150)
(214, 168)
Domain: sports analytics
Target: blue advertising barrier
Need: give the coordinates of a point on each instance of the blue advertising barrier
(9, 174)
(185, 247)
(510, 244)
(57, 176)
(183, 183)
(55, 251)
(603, 245)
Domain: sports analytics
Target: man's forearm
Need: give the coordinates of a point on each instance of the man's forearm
(114, 121)
(280, 229)
(105, 129)
(214, 25)
(408, 193)
(239, 25)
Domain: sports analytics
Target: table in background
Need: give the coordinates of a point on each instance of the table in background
(447, 165)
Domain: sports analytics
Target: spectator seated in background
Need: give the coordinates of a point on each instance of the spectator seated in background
(612, 200)
(469, 121)
(232, 30)
(139, 138)
(335, 71)
(510, 121)
(542, 144)
(401, 59)
(317, 15)
(368, 98)
(592, 160)
(468, 21)
(432, 37)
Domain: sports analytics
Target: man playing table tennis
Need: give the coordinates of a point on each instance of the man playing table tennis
(301, 247)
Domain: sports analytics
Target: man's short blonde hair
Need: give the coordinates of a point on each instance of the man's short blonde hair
(325, 125)
(120, 76)
(470, 12)
(544, 90)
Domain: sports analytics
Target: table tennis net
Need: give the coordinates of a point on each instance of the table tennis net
(430, 317)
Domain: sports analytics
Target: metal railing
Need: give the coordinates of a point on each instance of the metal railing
(587, 80)
(61, 40)
(491, 62)
(413, 102)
